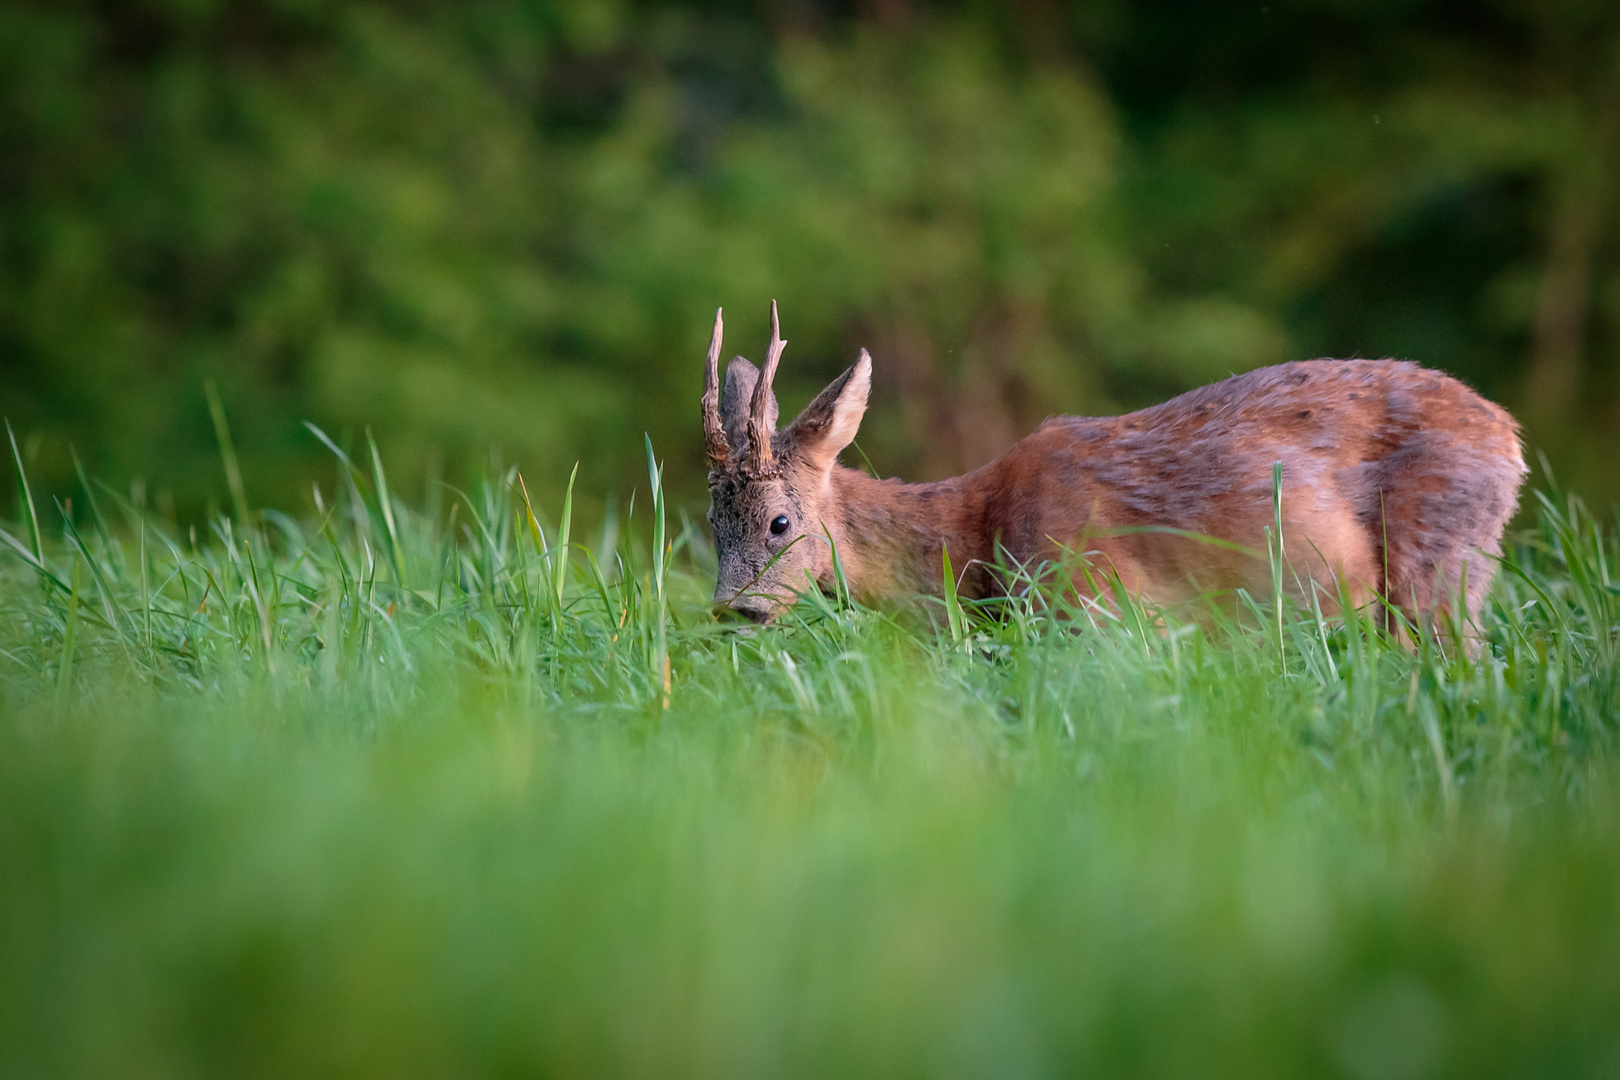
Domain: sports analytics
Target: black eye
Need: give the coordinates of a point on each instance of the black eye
(779, 525)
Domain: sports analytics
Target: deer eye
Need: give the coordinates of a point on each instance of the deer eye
(779, 525)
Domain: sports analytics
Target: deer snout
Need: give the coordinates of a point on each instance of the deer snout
(754, 610)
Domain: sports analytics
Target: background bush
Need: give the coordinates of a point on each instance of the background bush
(508, 223)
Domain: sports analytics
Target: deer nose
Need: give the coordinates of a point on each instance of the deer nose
(753, 611)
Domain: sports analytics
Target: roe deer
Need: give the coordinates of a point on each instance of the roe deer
(1397, 483)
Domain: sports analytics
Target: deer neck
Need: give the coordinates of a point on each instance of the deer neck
(891, 535)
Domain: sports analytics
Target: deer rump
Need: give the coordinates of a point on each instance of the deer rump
(1396, 483)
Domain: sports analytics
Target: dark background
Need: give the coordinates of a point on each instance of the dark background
(503, 226)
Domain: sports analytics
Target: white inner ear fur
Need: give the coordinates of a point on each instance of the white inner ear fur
(848, 410)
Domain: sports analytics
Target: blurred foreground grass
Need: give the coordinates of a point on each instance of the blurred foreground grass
(402, 793)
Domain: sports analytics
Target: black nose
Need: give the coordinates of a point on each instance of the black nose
(737, 609)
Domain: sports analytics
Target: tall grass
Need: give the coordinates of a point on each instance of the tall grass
(375, 790)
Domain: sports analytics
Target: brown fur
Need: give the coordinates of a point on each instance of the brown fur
(1397, 482)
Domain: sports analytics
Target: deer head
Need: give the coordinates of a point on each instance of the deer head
(771, 506)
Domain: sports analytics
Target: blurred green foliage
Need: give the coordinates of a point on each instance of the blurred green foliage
(507, 223)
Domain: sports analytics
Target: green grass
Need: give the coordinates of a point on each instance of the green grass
(380, 792)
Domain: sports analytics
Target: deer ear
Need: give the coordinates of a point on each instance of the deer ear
(828, 424)
(735, 397)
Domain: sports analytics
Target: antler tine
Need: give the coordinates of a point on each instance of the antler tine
(714, 430)
(759, 429)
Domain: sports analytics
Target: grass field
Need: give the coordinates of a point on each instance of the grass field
(456, 791)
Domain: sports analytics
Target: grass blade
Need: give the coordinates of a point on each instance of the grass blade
(27, 498)
(396, 550)
(660, 657)
(559, 568)
(955, 617)
(70, 637)
(227, 452)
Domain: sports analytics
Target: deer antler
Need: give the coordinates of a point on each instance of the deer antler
(714, 430)
(759, 430)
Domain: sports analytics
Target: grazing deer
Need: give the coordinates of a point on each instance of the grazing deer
(1397, 483)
